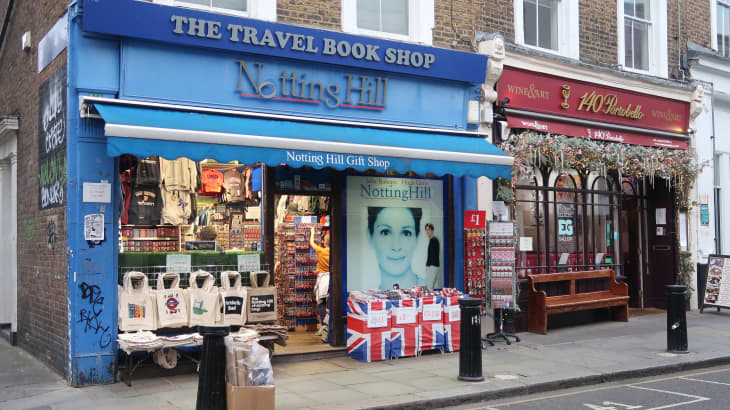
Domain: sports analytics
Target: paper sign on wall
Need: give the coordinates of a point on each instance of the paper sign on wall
(500, 210)
(454, 313)
(249, 262)
(525, 243)
(661, 216)
(405, 315)
(178, 263)
(94, 227)
(377, 318)
(97, 192)
(431, 312)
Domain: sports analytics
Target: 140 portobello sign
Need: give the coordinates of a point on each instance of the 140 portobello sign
(52, 141)
(564, 97)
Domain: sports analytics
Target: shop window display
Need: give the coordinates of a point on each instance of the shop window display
(166, 203)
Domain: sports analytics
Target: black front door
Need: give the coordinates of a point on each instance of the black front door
(662, 242)
(631, 247)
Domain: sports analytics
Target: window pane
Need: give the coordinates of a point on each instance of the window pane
(238, 5)
(723, 29)
(629, 7)
(642, 9)
(368, 14)
(395, 16)
(720, 28)
(200, 2)
(547, 24)
(529, 15)
(628, 44)
(641, 46)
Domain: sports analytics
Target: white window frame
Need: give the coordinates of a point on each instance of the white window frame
(713, 20)
(420, 22)
(658, 58)
(568, 28)
(257, 9)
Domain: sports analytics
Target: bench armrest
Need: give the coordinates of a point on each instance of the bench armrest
(620, 289)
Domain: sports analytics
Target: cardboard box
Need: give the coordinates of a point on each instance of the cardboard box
(250, 397)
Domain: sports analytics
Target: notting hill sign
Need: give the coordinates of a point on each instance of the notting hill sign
(148, 21)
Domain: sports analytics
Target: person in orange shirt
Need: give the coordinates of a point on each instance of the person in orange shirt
(321, 288)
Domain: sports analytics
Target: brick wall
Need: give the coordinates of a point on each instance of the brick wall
(313, 13)
(695, 26)
(598, 24)
(42, 271)
(454, 28)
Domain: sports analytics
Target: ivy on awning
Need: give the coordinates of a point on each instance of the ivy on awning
(533, 149)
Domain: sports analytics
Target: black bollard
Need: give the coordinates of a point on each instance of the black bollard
(470, 353)
(212, 376)
(676, 320)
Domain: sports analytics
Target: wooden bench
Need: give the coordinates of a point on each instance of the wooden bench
(616, 297)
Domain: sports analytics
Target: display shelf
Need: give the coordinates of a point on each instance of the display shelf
(475, 262)
(150, 238)
(501, 258)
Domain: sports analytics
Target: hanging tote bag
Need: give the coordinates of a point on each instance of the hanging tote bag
(136, 305)
(171, 308)
(261, 303)
(202, 301)
(232, 300)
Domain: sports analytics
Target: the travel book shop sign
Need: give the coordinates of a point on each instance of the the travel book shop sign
(137, 19)
(395, 232)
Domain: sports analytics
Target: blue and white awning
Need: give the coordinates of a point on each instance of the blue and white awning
(145, 129)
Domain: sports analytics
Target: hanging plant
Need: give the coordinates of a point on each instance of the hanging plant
(504, 191)
(532, 149)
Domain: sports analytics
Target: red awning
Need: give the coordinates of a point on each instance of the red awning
(598, 134)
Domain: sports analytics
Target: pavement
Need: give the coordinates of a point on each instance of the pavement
(569, 356)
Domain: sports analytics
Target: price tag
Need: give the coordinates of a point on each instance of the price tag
(432, 312)
(377, 318)
(405, 315)
(454, 313)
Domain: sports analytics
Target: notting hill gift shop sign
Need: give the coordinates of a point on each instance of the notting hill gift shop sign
(143, 20)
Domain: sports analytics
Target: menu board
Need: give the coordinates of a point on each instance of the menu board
(717, 287)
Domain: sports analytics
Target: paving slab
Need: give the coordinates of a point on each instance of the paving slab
(565, 357)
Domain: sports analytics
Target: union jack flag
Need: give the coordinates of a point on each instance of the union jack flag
(364, 343)
(431, 322)
(452, 324)
(405, 329)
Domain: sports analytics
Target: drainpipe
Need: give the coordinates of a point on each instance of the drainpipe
(6, 22)
(679, 38)
(715, 183)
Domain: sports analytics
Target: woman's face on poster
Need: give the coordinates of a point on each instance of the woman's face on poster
(394, 238)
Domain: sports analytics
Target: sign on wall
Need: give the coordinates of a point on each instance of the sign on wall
(178, 25)
(387, 237)
(52, 141)
(532, 92)
(537, 92)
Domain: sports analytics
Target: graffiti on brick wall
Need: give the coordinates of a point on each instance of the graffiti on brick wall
(52, 236)
(90, 314)
(52, 141)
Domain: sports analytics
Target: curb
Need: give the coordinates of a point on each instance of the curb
(554, 385)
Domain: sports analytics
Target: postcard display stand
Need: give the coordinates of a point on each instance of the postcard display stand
(475, 261)
(717, 285)
(501, 258)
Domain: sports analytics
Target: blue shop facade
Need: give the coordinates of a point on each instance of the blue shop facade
(325, 129)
